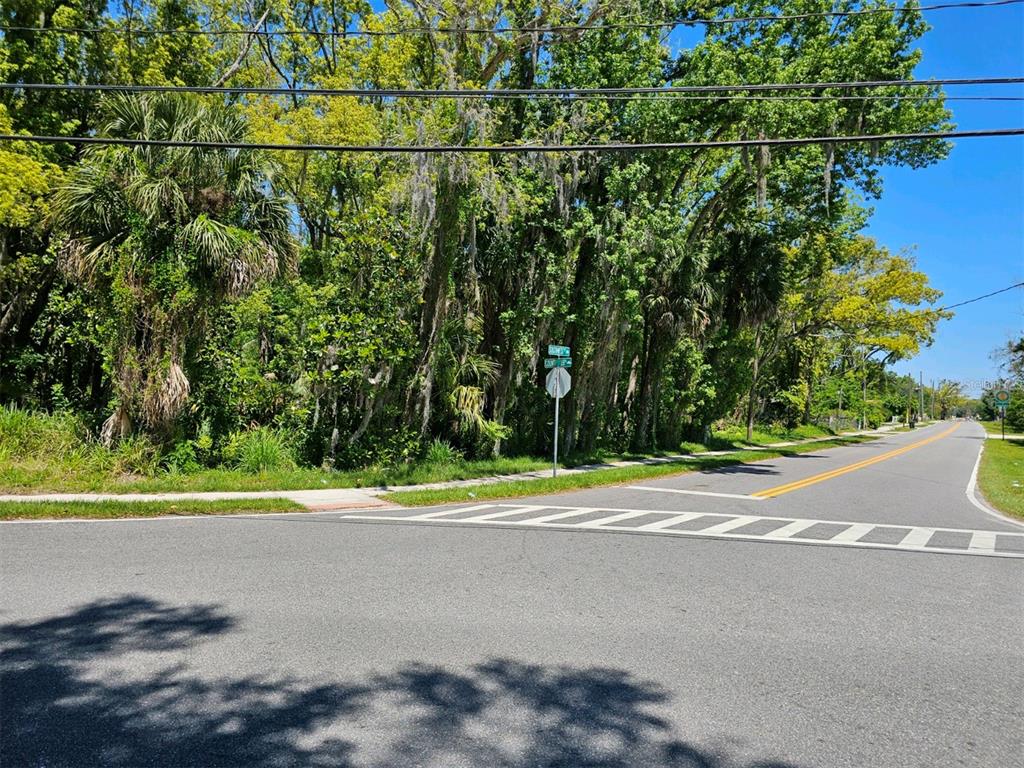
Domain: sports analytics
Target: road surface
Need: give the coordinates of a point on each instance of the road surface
(848, 607)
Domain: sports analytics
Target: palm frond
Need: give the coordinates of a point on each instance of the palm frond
(213, 244)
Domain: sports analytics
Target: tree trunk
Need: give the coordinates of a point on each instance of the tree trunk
(752, 398)
(435, 301)
(645, 392)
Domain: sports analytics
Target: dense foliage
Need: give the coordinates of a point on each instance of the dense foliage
(365, 304)
(1010, 358)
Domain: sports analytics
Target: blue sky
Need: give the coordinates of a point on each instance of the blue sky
(966, 215)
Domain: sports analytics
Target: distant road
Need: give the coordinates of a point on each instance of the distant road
(847, 607)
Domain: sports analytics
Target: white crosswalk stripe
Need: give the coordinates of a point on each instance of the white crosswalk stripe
(575, 512)
(917, 537)
(728, 525)
(791, 529)
(982, 541)
(853, 534)
(505, 513)
(670, 521)
(612, 519)
(444, 512)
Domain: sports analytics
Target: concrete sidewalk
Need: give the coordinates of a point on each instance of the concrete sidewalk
(365, 498)
(318, 498)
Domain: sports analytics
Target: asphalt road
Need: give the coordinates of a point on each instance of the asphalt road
(332, 640)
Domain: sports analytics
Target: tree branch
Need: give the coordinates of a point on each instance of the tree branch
(237, 63)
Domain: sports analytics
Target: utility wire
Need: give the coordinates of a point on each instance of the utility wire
(979, 298)
(513, 93)
(511, 148)
(557, 29)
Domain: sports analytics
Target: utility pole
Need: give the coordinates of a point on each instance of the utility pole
(910, 398)
(931, 409)
(920, 395)
(863, 388)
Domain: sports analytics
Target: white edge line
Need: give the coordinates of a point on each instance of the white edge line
(699, 534)
(695, 493)
(972, 494)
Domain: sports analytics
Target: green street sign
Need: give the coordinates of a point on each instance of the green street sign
(1002, 397)
(558, 362)
(556, 350)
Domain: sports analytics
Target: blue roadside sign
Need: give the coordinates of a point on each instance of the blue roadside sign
(556, 350)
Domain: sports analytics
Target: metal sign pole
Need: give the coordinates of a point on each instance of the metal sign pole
(558, 396)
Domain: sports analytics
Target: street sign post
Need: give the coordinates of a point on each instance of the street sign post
(557, 383)
(557, 350)
(1002, 401)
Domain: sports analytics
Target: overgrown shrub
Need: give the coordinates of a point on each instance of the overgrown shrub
(181, 459)
(441, 452)
(258, 450)
(31, 433)
(136, 455)
(390, 447)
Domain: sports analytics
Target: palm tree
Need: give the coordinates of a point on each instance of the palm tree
(163, 235)
(949, 396)
(755, 272)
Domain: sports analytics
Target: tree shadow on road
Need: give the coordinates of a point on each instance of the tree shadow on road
(109, 684)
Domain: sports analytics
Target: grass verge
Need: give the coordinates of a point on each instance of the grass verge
(99, 510)
(1001, 475)
(74, 473)
(995, 428)
(727, 439)
(603, 477)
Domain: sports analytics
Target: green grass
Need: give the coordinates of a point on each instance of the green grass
(995, 428)
(601, 477)
(736, 435)
(74, 473)
(42, 453)
(730, 438)
(1001, 475)
(54, 510)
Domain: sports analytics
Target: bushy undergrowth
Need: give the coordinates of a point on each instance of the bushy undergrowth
(56, 452)
(769, 433)
(26, 433)
(258, 450)
(441, 452)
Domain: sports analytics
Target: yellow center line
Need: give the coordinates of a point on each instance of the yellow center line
(796, 485)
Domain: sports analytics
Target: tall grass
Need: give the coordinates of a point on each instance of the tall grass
(27, 433)
(259, 450)
(41, 453)
(441, 452)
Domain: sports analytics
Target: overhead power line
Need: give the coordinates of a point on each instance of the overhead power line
(517, 30)
(512, 148)
(513, 93)
(979, 298)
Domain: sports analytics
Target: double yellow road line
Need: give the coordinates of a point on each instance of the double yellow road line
(796, 485)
